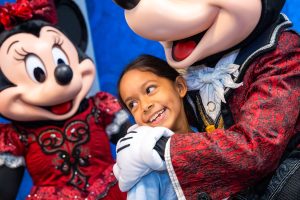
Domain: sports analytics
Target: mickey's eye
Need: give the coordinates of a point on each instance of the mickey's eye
(59, 56)
(35, 68)
(150, 89)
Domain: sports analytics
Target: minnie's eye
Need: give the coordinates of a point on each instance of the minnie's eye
(35, 68)
(150, 89)
(59, 56)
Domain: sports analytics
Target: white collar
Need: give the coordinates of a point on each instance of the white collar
(211, 82)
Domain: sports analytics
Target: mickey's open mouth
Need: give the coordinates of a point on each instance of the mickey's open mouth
(183, 48)
(60, 109)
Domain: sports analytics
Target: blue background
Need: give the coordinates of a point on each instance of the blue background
(115, 45)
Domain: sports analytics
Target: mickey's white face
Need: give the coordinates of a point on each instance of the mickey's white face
(191, 30)
(49, 80)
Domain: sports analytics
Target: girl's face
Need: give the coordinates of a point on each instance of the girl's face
(155, 101)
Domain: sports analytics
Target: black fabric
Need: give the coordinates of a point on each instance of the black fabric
(227, 115)
(283, 184)
(191, 113)
(10, 180)
(269, 14)
(160, 146)
(291, 191)
(203, 196)
(122, 132)
(263, 42)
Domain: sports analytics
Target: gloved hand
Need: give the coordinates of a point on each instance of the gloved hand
(136, 156)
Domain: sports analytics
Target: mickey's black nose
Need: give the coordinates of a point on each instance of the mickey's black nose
(63, 74)
(127, 4)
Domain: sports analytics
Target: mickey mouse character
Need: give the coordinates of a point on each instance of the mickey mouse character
(61, 136)
(242, 66)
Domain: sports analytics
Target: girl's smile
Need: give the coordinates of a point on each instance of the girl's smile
(158, 117)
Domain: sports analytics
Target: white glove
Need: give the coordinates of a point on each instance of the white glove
(136, 156)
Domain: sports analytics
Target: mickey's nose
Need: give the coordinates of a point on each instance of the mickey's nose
(127, 4)
(63, 74)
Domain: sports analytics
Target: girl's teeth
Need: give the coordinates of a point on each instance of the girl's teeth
(156, 115)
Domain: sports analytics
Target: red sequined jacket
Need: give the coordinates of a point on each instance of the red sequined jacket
(265, 111)
(68, 159)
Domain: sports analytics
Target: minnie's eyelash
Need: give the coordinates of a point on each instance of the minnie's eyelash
(58, 41)
(22, 53)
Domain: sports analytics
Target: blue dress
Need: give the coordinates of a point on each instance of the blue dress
(155, 186)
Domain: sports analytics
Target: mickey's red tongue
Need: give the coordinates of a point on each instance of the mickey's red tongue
(182, 49)
(61, 108)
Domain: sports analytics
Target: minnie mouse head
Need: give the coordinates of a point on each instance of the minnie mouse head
(43, 75)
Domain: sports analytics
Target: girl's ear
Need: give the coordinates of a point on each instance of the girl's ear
(72, 22)
(181, 86)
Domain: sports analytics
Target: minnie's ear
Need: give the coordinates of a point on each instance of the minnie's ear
(71, 21)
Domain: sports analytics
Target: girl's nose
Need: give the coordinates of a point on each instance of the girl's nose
(127, 4)
(147, 107)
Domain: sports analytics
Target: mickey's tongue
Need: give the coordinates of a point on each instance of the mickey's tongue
(182, 49)
(61, 108)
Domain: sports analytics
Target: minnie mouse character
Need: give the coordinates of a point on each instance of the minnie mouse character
(61, 136)
(243, 74)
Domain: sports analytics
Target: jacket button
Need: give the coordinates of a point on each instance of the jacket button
(203, 196)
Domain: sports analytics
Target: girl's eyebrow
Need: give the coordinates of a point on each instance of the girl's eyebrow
(142, 86)
(146, 83)
(128, 99)
(11, 45)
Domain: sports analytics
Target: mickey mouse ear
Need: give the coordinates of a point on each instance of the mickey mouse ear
(72, 22)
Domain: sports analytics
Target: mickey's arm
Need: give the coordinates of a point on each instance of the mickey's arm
(266, 113)
(224, 162)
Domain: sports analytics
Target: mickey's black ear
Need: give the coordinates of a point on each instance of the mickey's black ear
(71, 21)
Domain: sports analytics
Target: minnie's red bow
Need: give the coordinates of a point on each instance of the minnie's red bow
(11, 14)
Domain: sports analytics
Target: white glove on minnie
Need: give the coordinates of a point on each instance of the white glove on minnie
(136, 156)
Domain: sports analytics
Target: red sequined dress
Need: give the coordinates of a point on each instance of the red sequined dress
(68, 159)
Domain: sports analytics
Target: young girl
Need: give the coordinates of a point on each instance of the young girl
(153, 93)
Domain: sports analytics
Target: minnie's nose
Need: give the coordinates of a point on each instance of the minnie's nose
(63, 74)
(127, 4)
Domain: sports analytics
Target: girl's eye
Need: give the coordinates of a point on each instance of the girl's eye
(150, 89)
(59, 56)
(132, 104)
(35, 68)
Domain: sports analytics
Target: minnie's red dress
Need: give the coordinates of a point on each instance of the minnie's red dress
(68, 159)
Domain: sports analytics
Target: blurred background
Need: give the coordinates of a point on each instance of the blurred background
(112, 45)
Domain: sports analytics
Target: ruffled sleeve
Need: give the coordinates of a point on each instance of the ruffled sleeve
(110, 112)
(11, 148)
